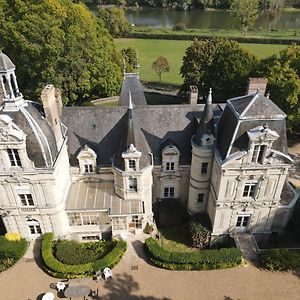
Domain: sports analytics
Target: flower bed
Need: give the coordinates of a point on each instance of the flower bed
(61, 270)
(200, 260)
(11, 251)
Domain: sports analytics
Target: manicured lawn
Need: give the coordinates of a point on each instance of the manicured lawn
(149, 50)
(176, 238)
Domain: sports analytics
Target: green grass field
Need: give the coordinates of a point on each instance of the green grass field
(149, 50)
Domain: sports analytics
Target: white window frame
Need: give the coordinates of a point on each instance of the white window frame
(170, 166)
(259, 153)
(26, 199)
(250, 189)
(132, 164)
(169, 191)
(132, 184)
(88, 168)
(14, 157)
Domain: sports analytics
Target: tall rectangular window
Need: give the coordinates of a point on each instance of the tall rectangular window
(200, 198)
(249, 189)
(132, 164)
(258, 153)
(170, 166)
(169, 192)
(26, 199)
(132, 184)
(204, 168)
(14, 157)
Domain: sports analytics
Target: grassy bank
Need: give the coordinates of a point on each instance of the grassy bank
(149, 50)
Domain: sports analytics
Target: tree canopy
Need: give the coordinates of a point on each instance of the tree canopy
(218, 63)
(283, 73)
(246, 12)
(59, 42)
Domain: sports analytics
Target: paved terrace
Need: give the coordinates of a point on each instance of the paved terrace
(135, 279)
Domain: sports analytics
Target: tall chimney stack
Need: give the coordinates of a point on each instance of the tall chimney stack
(257, 84)
(193, 96)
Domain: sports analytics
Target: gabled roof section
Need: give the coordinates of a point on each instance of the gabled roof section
(133, 135)
(5, 63)
(131, 82)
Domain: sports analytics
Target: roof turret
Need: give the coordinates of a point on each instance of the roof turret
(5, 63)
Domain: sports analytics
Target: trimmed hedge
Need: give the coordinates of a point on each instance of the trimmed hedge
(11, 252)
(200, 260)
(280, 259)
(188, 37)
(61, 270)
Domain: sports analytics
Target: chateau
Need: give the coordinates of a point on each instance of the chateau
(88, 172)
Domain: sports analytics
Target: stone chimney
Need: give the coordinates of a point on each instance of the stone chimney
(257, 84)
(193, 96)
(52, 104)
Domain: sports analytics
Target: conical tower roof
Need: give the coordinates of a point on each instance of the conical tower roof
(5, 63)
(133, 135)
(206, 124)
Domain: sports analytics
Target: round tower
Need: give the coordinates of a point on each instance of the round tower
(202, 159)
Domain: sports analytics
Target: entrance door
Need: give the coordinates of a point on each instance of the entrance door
(242, 223)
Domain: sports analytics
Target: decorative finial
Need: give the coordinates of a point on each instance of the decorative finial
(130, 105)
(209, 97)
(268, 95)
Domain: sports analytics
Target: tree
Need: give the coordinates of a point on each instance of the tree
(272, 9)
(130, 58)
(283, 74)
(115, 21)
(218, 63)
(59, 42)
(246, 12)
(161, 65)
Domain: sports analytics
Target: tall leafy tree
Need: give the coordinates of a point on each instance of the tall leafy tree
(59, 42)
(218, 63)
(246, 12)
(272, 10)
(283, 73)
(130, 59)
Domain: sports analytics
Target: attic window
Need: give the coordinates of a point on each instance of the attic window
(132, 164)
(14, 157)
(258, 153)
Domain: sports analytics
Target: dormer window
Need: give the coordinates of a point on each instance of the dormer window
(170, 159)
(14, 157)
(259, 153)
(87, 160)
(132, 182)
(170, 166)
(88, 168)
(132, 164)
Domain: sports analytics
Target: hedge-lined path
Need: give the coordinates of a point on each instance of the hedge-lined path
(27, 281)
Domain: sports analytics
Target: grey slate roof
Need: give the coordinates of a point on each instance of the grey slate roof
(35, 131)
(103, 127)
(244, 113)
(133, 135)
(5, 63)
(131, 82)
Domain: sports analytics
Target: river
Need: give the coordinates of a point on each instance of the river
(211, 19)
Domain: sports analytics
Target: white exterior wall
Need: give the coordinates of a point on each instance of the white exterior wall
(199, 183)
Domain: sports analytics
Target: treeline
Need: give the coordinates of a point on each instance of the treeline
(179, 4)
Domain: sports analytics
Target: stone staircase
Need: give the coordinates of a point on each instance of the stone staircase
(247, 244)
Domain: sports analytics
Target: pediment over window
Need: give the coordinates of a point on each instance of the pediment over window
(170, 150)
(86, 152)
(262, 134)
(9, 131)
(87, 160)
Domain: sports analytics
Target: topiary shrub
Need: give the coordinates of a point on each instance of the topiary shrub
(199, 229)
(279, 259)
